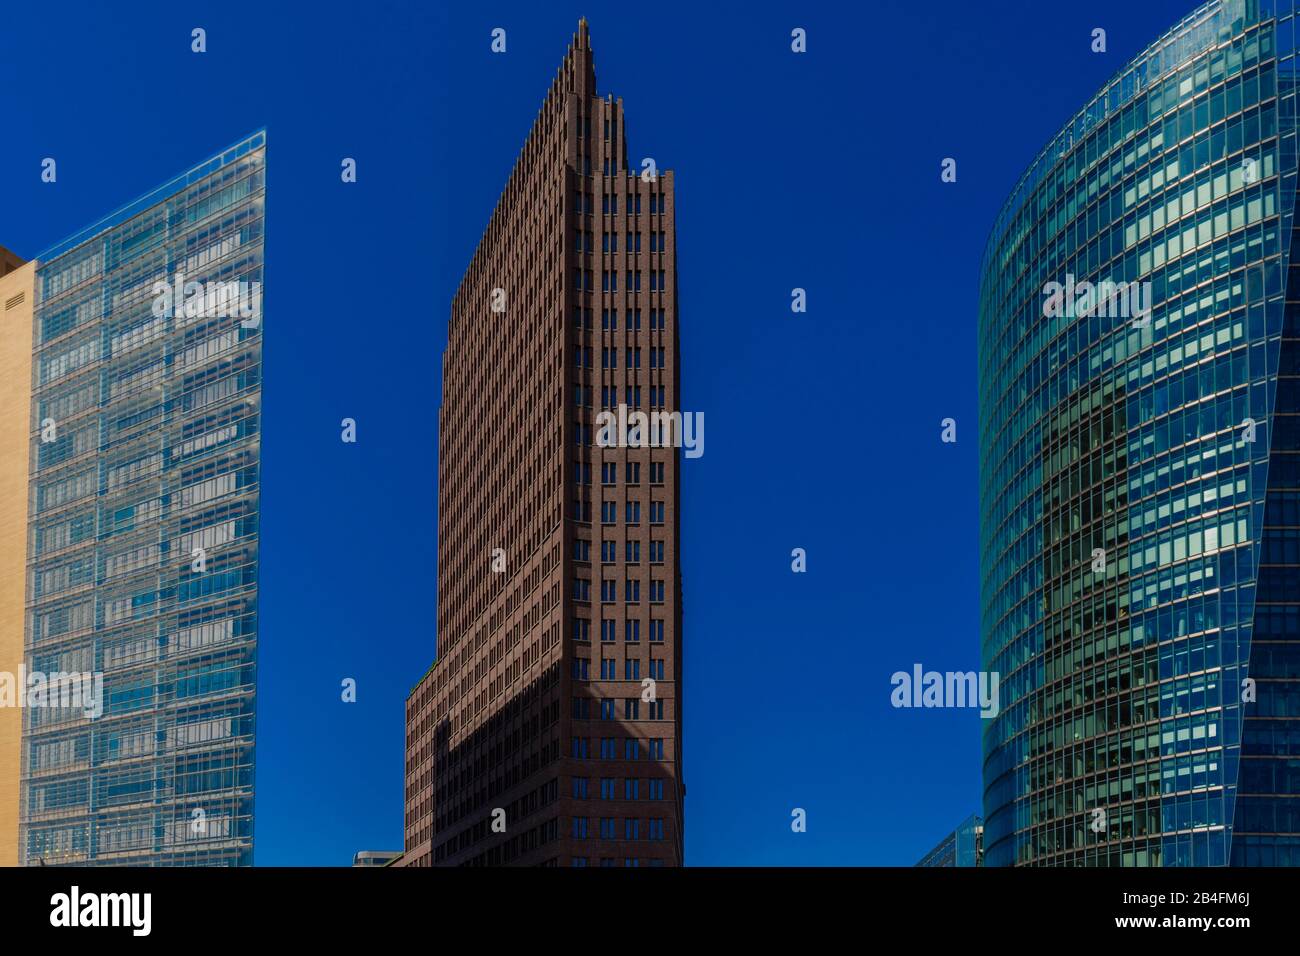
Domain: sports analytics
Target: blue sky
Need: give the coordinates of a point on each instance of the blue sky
(819, 171)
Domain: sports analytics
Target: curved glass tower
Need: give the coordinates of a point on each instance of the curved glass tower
(1140, 423)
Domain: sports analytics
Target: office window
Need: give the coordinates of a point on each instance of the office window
(656, 512)
(606, 709)
(631, 788)
(656, 828)
(579, 668)
(608, 828)
(656, 748)
(657, 668)
(581, 748)
(581, 549)
(632, 592)
(656, 552)
(580, 828)
(654, 790)
(631, 829)
(631, 750)
(607, 552)
(608, 748)
(656, 630)
(631, 669)
(609, 591)
(607, 630)
(607, 788)
(608, 469)
(631, 708)
(634, 512)
(632, 552)
(580, 788)
(656, 472)
(657, 592)
(608, 668)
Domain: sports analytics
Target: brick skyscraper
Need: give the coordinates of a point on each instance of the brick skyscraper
(555, 695)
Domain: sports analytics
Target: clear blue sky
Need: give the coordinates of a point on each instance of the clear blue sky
(819, 171)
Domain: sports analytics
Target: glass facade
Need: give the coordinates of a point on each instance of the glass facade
(962, 847)
(1138, 355)
(143, 534)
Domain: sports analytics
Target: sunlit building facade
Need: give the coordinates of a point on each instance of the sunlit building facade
(1139, 466)
(142, 535)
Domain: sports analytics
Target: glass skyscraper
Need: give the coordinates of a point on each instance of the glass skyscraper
(964, 846)
(1139, 466)
(142, 541)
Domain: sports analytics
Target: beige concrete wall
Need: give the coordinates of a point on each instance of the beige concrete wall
(17, 291)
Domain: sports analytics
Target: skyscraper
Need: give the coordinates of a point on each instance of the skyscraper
(1140, 460)
(964, 846)
(138, 411)
(548, 731)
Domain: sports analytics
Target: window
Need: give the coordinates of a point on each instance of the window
(656, 630)
(632, 631)
(656, 512)
(631, 750)
(606, 709)
(580, 788)
(632, 592)
(608, 748)
(609, 591)
(634, 512)
(581, 629)
(631, 788)
(632, 669)
(656, 552)
(656, 746)
(607, 630)
(655, 710)
(580, 828)
(631, 708)
(578, 861)
(657, 592)
(580, 665)
(633, 358)
(654, 790)
(607, 788)
(657, 668)
(581, 708)
(656, 472)
(607, 552)
(608, 470)
(633, 552)
(609, 319)
(581, 747)
(632, 473)
(607, 828)
(631, 829)
(656, 828)
(581, 550)
(608, 668)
